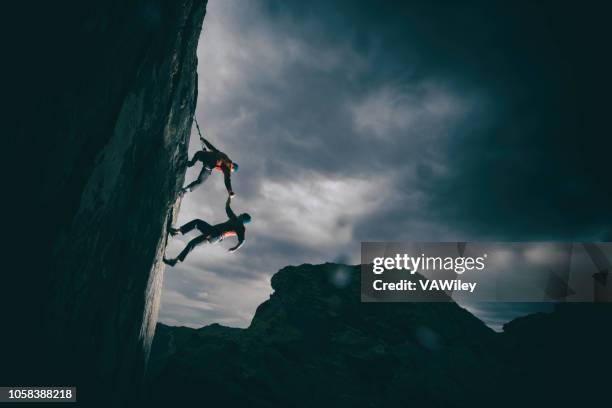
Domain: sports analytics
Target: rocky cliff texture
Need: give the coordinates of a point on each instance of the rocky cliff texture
(313, 343)
(108, 89)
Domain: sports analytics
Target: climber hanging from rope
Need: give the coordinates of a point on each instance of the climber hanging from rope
(212, 159)
(212, 234)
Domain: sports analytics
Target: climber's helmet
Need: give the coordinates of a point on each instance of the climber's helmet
(245, 218)
(234, 166)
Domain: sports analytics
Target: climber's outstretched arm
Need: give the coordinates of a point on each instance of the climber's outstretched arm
(228, 209)
(227, 178)
(240, 242)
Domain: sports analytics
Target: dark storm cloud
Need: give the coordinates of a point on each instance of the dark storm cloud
(530, 162)
(381, 121)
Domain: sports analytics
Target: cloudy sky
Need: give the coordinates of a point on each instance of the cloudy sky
(355, 121)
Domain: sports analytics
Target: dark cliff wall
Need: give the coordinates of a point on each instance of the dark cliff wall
(101, 114)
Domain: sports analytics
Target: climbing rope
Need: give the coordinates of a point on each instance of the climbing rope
(198, 127)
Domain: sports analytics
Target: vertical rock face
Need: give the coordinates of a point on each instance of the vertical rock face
(108, 99)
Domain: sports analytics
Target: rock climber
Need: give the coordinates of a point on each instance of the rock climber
(212, 159)
(212, 234)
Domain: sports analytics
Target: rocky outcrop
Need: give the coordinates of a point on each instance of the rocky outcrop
(104, 133)
(313, 343)
(559, 359)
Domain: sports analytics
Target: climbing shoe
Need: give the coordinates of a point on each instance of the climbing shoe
(170, 262)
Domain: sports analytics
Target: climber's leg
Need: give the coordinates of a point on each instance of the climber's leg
(201, 225)
(205, 228)
(189, 226)
(201, 179)
(190, 246)
(196, 157)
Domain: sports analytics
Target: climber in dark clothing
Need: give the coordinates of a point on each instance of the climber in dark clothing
(212, 159)
(212, 234)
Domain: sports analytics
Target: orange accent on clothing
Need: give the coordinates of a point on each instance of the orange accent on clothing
(229, 234)
(221, 162)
